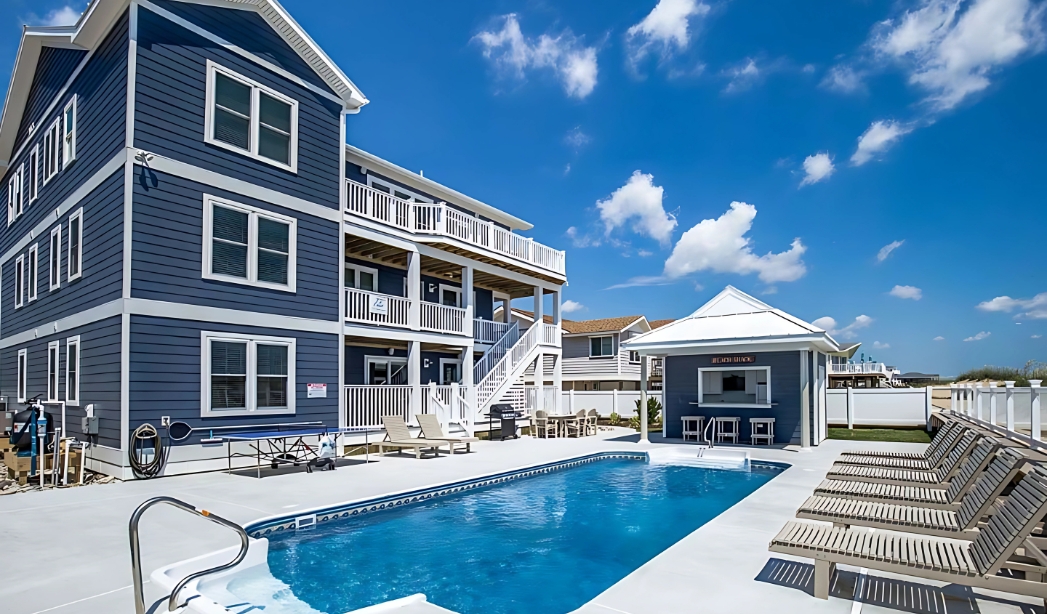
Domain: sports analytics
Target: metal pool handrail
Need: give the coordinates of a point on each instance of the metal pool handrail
(136, 553)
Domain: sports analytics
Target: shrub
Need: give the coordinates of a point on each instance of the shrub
(654, 408)
(634, 423)
(1021, 377)
(614, 419)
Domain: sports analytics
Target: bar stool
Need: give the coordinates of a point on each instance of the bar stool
(693, 426)
(762, 429)
(728, 427)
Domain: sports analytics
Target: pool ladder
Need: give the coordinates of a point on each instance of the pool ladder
(136, 553)
(709, 435)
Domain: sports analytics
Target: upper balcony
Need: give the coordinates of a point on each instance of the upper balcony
(859, 368)
(365, 307)
(456, 231)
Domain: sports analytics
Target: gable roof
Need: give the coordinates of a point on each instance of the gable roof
(661, 323)
(95, 22)
(733, 318)
(582, 327)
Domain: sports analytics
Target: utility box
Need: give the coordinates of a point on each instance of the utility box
(89, 425)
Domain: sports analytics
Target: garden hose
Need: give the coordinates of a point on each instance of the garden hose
(144, 464)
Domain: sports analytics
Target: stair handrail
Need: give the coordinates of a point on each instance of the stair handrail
(527, 341)
(501, 345)
(136, 552)
(706, 435)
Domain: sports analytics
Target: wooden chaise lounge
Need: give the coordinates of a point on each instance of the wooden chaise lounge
(432, 431)
(907, 477)
(398, 437)
(939, 440)
(931, 461)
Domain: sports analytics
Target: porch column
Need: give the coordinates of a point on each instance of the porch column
(643, 401)
(469, 413)
(557, 297)
(507, 308)
(539, 304)
(414, 377)
(414, 290)
(467, 299)
(805, 399)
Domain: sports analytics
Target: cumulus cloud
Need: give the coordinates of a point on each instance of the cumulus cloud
(580, 239)
(720, 245)
(939, 338)
(576, 139)
(909, 292)
(880, 346)
(570, 306)
(1036, 336)
(513, 54)
(665, 31)
(638, 201)
(63, 16)
(829, 325)
(979, 336)
(950, 53)
(843, 79)
(816, 168)
(877, 139)
(1035, 307)
(742, 77)
(886, 250)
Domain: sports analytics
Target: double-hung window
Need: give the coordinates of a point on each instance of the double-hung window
(23, 364)
(734, 386)
(74, 258)
(52, 370)
(52, 150)
(600, 347)
(248, 245)
(32, 275)
(69, 133)
(247, 374)
(54, 265)
(19, 281)
(16, 194)
(361, 277)
(32, 177)
(248, 117)
(72, 370)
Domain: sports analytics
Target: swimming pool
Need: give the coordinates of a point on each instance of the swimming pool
(544, 544)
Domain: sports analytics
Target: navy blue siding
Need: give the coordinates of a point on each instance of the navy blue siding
(391, 282)
(355, 355)
(170, 91)
(102, 279)
(101, 113)
(53, 69)
(99, 379)
(681, 377)
(165, 374)
(247, 30)
(167, 252)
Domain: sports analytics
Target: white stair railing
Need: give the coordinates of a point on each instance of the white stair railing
(496, 352)
(515, 359)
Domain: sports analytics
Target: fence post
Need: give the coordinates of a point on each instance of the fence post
(992, 402)
(968, 399)
(455, 406)
(978, 400)
(1009, 404)
(1034, 389)
(850, 408)
(614, 401)
(952, 397)
(571, 404)
(928, 395)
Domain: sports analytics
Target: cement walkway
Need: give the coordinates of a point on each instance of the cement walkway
(67, 551)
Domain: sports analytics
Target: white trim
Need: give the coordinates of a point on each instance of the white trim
(54, 260)
(16, 195)
(79, 215)
(389, 362)
(71, 342)
(53, 361)
(723, 368)
(19, 282)
(613, 354)
(21, 391)
(34, 173)
(389, 185)
(251, 400)
(357, 269)
(69, 135)
(33, 277)
(253, 213)
(455, 289)
(54, 157)
(57, 327)
(257, 89)
(444, 361)
(132, 73)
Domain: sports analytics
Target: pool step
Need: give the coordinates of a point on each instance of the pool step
(701, 456)
(413, 604)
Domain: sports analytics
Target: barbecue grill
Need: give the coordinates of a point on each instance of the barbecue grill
(507, 415)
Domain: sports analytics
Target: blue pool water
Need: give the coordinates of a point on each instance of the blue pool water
(542, 544)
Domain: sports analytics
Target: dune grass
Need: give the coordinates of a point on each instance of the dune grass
(1031, 370)
(873, 434)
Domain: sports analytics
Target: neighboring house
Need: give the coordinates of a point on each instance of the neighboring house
(845, 372)
(189, 238)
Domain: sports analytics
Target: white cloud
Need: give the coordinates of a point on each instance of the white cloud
(579, 239)
(643, 253)
(808, 68)
(817, 167)
(63, 16)
(576, 139)
(1035, 307)
(569, 306)
(638, 200)
(665, 30)
(843, 79)
(909, 292)
(952, 54)
(886, 250)
(565, 54)
(880, 346)
(567, 169)
(878, 138)
(829, 325)
(742, 76)
(769, 290)
(720, 245)
(979, 336)
(939, 338)
(1036, 336)
(653, 280)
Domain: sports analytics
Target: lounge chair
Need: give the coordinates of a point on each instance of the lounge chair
(397, 436)
(975, 563)
(959, 524)
(908, 477)
(931, 461)
(432, 431)
(939, 440)
(921, 496)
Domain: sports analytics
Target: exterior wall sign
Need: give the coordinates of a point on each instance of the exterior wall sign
(378, 304)
(316, 391)
(732, 360)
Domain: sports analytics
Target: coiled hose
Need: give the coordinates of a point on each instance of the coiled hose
(146, 464)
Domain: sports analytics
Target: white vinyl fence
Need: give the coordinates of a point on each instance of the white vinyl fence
(622, 402)
(878, 406)
(1015, 409)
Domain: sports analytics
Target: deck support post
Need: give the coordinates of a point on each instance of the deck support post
(823, 572)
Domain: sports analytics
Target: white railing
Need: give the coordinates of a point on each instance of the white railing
(374, 308)
(365, 405)
(441, 219)
(858, 368)
(487, 331)
(431, 392)
(443, 318)
(495, 353)
(551, 335)
(513, 358)
(450, 404)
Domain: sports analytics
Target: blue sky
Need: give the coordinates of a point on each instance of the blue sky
(675, 147)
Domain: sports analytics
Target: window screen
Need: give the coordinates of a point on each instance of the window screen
(232, 112)
(272, 375)
(228, 375)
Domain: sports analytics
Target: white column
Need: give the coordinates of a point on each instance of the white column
(1009, 404)
(414, 376)
(467, 298)
(952, 397)
(571, 403)
(1034, 389)
(614, 402)
(507, 309)
(805, 400)
(643, 400)
(539, 304)
(558, 383)
(414, 290)
(927, 405)
(968, 395)
(850, 407)
(992, 402)
(557, 298)
(539, 383)
(665, 395)
(978, 401)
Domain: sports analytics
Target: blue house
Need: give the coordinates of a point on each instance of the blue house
(190, 238)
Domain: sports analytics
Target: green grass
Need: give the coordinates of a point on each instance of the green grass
(869, 434)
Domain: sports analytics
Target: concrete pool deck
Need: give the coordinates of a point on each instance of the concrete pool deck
(67, 551)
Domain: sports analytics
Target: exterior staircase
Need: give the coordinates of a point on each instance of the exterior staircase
(508, 360)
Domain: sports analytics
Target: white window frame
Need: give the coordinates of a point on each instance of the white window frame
(372, 181)
(638, 357)
(54, 359)
(455, 289)
(34, 174)
(589, 340)
(252, 244)
(16, 195)
(19, 281)
(725, 368)
(22, 368)
(33, 270)
(251, 400)
(72, 347)
(357, 269)
(79, 213)
(69, 133)
(444, 361)
(54, 136)
(212, 70)
(389, 361)
(54, 261)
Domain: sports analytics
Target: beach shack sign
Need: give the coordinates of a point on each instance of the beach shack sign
(733, 360)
